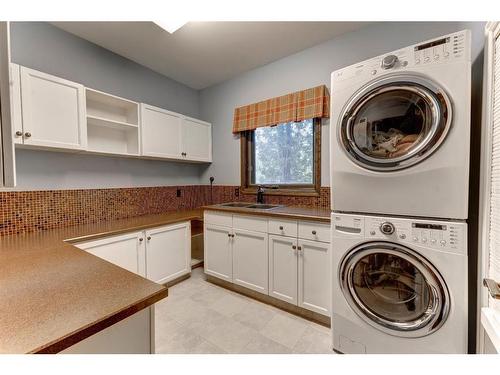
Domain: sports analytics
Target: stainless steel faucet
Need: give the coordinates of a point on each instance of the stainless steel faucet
(260, 195)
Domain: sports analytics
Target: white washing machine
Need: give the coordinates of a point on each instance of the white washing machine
(400, 129)
(399, 285)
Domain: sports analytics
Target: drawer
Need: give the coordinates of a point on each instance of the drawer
(219, 218)
(314, 231)
(252, 223)
(283, 227)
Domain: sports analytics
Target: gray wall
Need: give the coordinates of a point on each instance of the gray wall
(307, 68)
(44, 47)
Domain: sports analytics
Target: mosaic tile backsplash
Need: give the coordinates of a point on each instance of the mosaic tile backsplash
(30, 211)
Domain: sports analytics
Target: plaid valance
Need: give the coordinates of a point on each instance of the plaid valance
(298, 106)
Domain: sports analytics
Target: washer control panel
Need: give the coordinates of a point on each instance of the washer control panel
(433, 234)
(436, 234)
(448, 48)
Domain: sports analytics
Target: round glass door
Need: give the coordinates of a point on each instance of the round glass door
(394, 122)
(394, 289)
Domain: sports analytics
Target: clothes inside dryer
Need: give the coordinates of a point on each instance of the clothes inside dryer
(391, 124)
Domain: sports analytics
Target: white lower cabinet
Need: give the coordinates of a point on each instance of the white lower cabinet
(218, 252)
(168, 252)
(283, 268)
(294, 268)
(314, 276)
(124, 250)
(160, 254)
(250, 260)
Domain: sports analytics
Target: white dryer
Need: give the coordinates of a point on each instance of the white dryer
(399, 285)
(400, 129)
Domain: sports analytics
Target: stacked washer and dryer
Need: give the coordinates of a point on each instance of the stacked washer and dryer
(400, 130)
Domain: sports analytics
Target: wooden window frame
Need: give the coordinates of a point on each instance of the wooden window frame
(246, 141)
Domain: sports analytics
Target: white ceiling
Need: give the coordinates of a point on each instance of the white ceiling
(201, 54)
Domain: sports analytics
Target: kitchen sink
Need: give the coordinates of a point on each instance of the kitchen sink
(252, 206)
(262, 206)
(236, 204)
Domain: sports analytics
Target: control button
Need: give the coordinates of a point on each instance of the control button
(415, 239)
(372, 233)
(417, 61)
(389, 61)
(427, 59)
(424, 240)
(374, 72)
(442, 242)
(433, 241)
(405, 63)
(387, 228)
(402, 236)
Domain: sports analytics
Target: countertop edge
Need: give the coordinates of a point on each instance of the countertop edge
(269, 213)
(91, 329)
(94, 236)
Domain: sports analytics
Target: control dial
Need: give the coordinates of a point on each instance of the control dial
(387, 228)
(389, 62)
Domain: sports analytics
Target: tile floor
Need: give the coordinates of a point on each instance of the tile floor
(200, 317)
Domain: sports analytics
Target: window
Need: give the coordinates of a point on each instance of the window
(284, 158)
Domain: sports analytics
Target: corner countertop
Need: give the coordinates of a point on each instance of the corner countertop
(285, 212)
(53, 295)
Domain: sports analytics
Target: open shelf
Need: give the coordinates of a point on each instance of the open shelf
(112, 108)
(112, 124)
(116, 141)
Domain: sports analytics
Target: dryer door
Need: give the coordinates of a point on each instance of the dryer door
(394, 122)
(394, 289)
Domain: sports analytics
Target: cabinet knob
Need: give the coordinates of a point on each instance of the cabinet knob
(281, 227)
(299, 248)
(19, 133)
(294, 247)
(149, 238)
(27, 134)
(141, 239)
(314, 232)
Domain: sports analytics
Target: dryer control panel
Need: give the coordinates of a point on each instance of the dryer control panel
(436, 234)
(445, 49)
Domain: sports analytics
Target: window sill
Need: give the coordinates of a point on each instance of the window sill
(304, 192)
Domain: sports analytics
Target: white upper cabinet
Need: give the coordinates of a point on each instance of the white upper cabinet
(170, 135)
(161, 132)
(196, 140)
(53, 111)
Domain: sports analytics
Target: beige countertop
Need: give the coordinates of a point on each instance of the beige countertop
(286, 212)
(53, 295)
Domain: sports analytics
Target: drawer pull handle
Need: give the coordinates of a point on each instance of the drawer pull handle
(281, 227)
(314, 232)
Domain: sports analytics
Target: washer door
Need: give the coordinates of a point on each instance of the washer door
(394, 122)
(394, 289)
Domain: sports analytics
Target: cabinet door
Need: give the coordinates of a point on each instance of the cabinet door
(168, 252)
(123, 250)
(197, 140)
(250, 260)
(160, 132)
(314, 276)
(283, 268)
(53, 111)
(218, 252)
